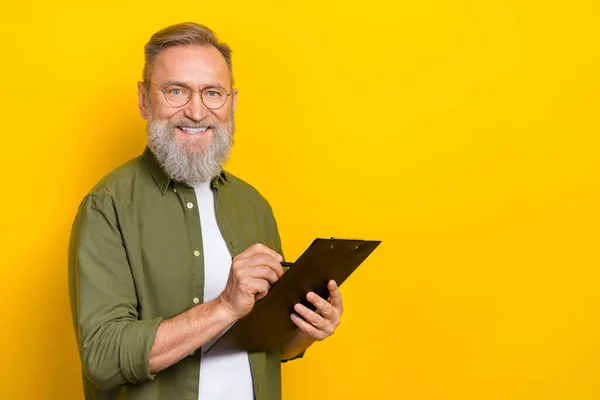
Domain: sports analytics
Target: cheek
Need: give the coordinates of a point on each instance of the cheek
(223, 114)
(167, 113)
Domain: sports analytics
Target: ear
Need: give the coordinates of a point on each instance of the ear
(142, 99)
(235, 98)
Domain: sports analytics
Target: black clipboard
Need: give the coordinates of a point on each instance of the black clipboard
(268, 325)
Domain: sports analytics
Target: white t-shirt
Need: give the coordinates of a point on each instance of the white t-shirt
(223, 374)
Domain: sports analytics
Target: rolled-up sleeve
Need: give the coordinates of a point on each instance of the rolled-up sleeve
(114, 345)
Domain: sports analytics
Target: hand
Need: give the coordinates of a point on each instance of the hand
(251, 274)
(319, 324)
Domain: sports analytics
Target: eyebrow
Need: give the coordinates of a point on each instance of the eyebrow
(210, 85)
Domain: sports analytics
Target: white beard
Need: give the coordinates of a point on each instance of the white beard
(196, 162)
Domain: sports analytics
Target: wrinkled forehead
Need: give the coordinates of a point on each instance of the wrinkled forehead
(194, 65)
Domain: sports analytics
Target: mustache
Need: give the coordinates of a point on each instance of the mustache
(189, 123)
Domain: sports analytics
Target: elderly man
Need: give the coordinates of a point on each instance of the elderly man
(169, 250)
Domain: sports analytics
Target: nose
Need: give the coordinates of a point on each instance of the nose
(195, 108)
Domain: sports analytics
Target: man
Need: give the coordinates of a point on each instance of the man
(169, 250)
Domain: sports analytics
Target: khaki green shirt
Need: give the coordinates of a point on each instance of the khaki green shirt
(135, 258)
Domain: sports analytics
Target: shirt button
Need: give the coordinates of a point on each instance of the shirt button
(196, 253)
(196, 300)
(174, 190)
(190, 205)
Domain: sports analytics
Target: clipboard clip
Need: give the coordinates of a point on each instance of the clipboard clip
(356, 247)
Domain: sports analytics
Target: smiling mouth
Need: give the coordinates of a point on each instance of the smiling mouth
(192, 131)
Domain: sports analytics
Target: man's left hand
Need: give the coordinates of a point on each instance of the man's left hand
(321, 323)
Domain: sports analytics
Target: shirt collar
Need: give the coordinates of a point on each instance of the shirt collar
(163, 181)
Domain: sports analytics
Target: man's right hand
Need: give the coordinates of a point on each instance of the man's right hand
(251, 274)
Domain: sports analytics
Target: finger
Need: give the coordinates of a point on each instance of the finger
(307, 328)
(263, 272)
(259, 296)
(241, 266)
(335, 296)
(260, 288)
(265, 260)
(310, 316)
(323, 306)
(259, 248)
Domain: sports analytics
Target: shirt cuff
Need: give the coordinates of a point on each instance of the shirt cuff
(134, 355)
(300, 355)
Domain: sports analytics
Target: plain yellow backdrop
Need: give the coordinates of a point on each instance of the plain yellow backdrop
(464, 134)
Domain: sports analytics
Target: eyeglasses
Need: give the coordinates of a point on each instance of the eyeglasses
(178, 95)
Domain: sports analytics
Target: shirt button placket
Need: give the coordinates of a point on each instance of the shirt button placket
(190, 206)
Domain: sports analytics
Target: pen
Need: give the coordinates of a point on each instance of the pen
(286, 264)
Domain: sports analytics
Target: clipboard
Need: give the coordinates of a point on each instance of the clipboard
(268, 325)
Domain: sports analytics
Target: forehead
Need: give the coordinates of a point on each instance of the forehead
(191, 64)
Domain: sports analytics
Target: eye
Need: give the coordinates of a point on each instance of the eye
(213, 92)
(176, 91)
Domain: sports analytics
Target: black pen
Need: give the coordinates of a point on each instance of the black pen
(286, 264)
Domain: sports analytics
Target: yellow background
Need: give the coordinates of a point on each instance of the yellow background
(464, 134)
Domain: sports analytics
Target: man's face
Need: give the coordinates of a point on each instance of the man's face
(192, 142)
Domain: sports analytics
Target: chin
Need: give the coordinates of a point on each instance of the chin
(195, 149)
(194, 146)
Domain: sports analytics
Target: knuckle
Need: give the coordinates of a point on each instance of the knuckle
(238, 274)
(261, 248)
(268, 271)
(310, 330)
(264, 286)
(238, 265)
(271, 261)
(245, 285)
(261, 260)
(259, 270)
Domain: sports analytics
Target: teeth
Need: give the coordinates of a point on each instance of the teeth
(193, 130)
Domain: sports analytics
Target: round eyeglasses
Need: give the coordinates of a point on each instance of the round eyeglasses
(178, 95)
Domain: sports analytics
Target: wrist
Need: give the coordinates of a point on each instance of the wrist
(295, 346)
(224, 310)
(302, 339)
(299, 342)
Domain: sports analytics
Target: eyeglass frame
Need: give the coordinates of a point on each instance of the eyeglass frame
(192, 91)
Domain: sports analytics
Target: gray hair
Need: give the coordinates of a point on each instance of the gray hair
(182, 34)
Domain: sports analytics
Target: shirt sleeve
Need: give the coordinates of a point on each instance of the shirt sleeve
(114, 345)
